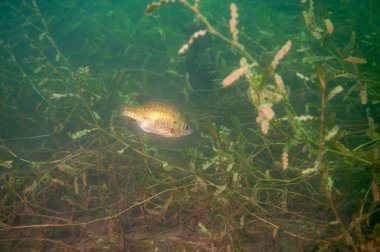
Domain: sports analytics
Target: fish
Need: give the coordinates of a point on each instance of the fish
(159, 118)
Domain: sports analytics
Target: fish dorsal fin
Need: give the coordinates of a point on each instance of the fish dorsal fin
(144, 99)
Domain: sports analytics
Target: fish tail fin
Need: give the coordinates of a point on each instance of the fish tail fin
(127, 112)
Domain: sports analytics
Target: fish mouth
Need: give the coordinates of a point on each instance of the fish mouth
(172, 134)
(188, 132)
(183, 133)
(177, 135)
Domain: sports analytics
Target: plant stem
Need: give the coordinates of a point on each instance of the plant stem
(323, 168)
(214, 32)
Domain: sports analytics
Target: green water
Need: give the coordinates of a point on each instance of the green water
(76, 175)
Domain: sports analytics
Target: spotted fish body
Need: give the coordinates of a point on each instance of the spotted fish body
(160, 119)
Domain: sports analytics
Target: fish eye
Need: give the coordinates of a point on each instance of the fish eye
(186, 126)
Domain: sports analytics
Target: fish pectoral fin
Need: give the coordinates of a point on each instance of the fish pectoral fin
(145, 126)
(172, 131)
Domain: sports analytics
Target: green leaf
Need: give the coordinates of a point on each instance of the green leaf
(219, 190)
(207, 165)
(230, 166)
(6, 164)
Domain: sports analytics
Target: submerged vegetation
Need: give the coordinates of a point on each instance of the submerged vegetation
(283, 99)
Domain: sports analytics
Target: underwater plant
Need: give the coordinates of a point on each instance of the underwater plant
(263, 95)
